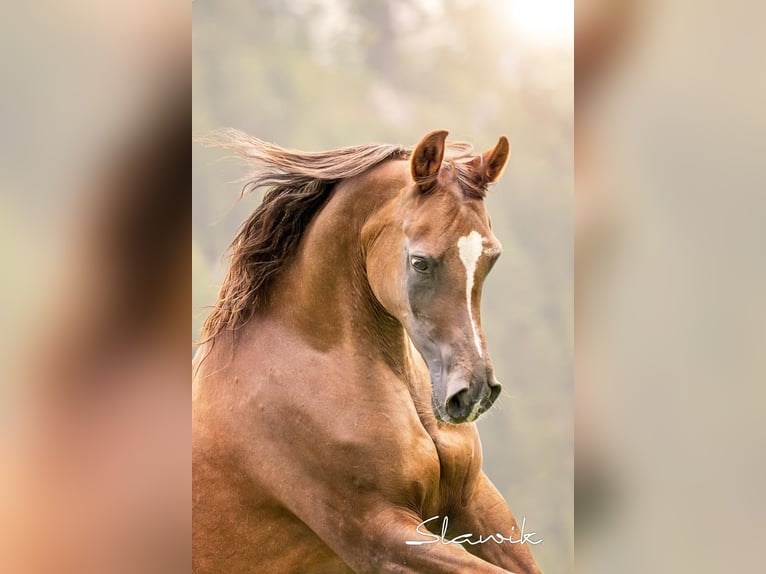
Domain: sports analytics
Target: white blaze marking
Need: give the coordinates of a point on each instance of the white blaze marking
(470, 249)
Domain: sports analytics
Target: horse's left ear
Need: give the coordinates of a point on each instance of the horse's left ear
(493, 161)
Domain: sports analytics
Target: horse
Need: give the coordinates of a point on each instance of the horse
(340, 372)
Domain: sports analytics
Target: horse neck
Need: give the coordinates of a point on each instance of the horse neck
(324, 293)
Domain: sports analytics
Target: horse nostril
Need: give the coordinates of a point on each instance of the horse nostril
(459, 405)
(495, 389)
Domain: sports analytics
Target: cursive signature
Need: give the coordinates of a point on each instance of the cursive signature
(524, 537)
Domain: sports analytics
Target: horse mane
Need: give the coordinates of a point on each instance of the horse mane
(299, 184)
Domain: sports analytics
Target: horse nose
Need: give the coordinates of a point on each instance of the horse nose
(468, 396)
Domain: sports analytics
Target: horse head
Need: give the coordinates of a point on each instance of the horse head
(427, 267)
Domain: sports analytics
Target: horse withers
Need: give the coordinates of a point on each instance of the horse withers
(343, 365)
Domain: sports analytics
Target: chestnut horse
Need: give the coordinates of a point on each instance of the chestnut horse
(343, 365)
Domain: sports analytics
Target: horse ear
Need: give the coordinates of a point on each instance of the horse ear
(493, 162)
(427, 158)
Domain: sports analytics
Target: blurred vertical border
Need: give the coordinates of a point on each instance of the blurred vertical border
(95, 218)
(670, 280)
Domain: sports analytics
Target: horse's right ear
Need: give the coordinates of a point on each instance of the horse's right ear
(427, 158)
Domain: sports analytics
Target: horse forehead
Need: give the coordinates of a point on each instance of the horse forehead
(467, 238)
(475, 243)
(449, 215)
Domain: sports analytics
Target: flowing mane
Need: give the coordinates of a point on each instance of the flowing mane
(299, 184)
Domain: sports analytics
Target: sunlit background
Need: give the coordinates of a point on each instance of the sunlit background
(316, 75)
(541, 23)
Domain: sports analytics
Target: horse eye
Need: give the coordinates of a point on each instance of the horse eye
(420, 264)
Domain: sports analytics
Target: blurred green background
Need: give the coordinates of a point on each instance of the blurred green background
(313, 75)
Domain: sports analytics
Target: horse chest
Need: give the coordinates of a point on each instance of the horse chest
(426, 469)
(439, 472)
(459, 453)
(440, 460)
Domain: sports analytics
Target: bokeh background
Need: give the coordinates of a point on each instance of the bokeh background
(315, 75)
(670, 275)
(95, 221)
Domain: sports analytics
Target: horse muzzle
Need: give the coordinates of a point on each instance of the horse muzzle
(465, 398)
